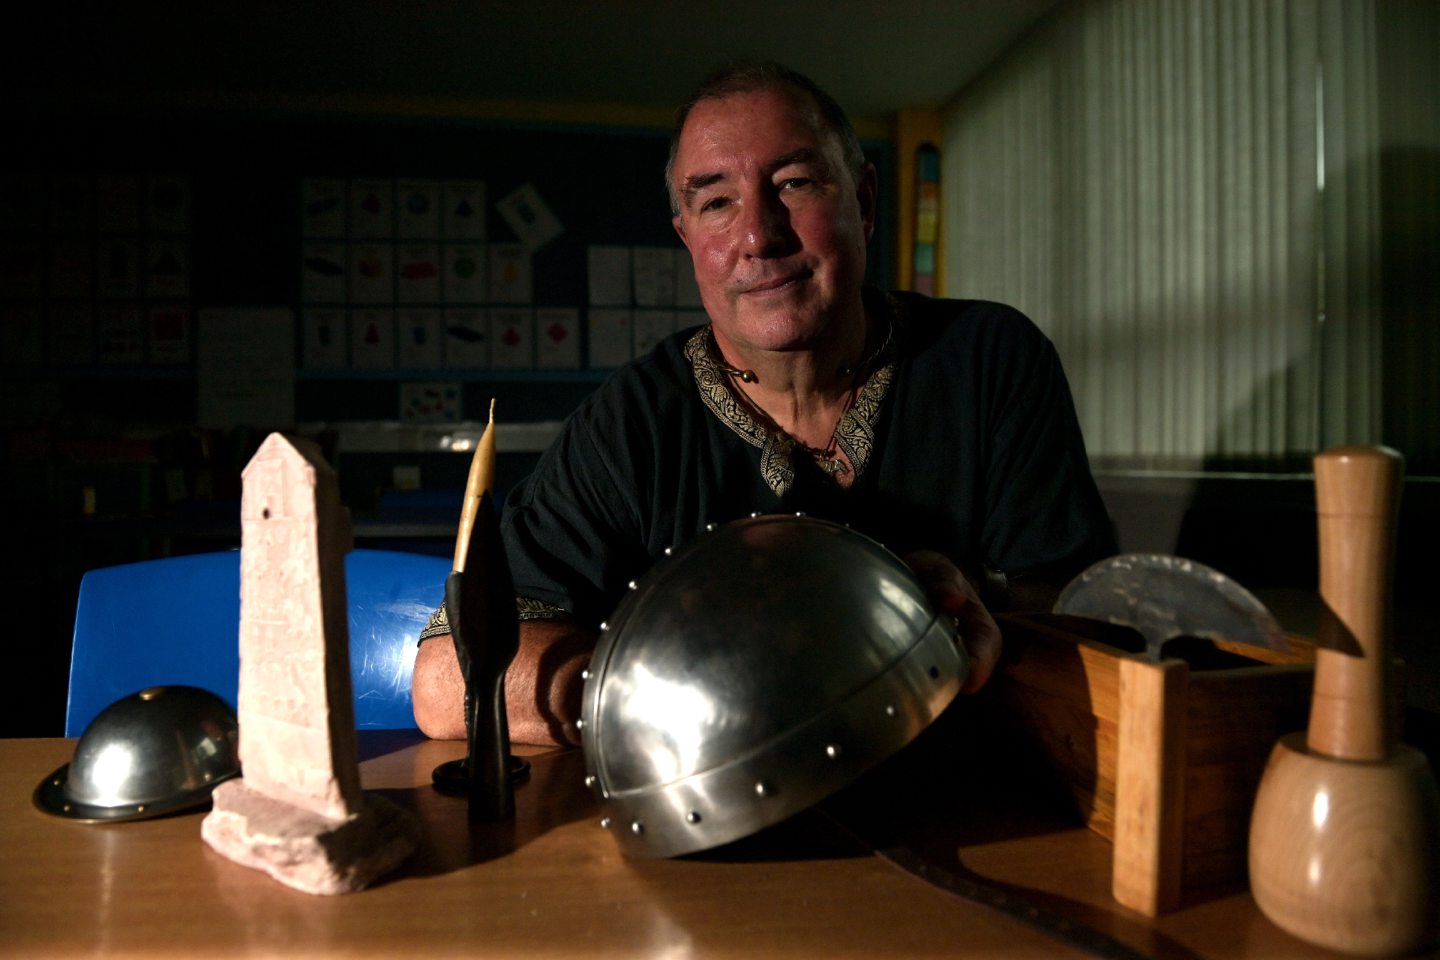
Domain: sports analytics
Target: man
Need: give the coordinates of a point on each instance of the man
(943, 429)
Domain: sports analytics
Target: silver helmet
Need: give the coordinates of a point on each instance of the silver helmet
(753, 673)
(154, 752)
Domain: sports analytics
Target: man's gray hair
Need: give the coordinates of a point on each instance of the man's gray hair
(749, 76)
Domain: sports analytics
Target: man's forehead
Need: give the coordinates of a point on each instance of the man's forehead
(719, 123)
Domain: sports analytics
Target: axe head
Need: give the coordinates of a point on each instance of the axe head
(1164, 597)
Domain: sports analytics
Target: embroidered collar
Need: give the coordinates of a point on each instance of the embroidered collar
(855, 433)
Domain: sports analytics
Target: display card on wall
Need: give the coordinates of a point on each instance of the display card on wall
(610, 336)
(417, 273)
(462, 216)
(372, 273)
(608, 275)
(467, 338)
(430, 402)
(323, 272)
(325, 338)
(417, 209)
(322, 209)
(167, 208)
(72, 269)
(509, 273)
(117, 203)
(465, 273)
(72, 333)
(119, 334)
(512, 338)
(119, 268)
(654, 276)
(557, 338)
(530, 217)
(652, 326)
(167, 269)
(168, 331)
(418, 338)
(372, 338)
(372, 210)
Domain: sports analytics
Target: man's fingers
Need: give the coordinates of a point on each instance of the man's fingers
(952, 593)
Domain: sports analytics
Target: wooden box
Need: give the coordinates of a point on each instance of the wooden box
(1161, 757)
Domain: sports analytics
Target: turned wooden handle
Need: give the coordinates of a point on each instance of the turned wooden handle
(1357, 493)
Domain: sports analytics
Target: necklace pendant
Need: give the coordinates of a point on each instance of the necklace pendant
(832, 466)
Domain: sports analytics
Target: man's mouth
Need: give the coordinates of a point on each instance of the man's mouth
(774, 286)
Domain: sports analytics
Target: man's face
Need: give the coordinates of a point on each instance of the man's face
(775, 222)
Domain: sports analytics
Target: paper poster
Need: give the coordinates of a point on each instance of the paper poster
(654, 276)
(119, 268)
(465, 273)
(417, 209)
(462, 216)
(372, 210)
(372, 273)
(609, 276)
(168, 328)
(467, 338)
(322, 209)
(72, 333)
(167, 268)
(245, 367)
(167, 209)
(325, 338)
(557, 338)
(372, 338)
(652, 326)
(509, 273)
(119, 334)
(512, 338)
(117, 204)
(530, 217)
(418, 338)
(72, 271)
(687, 292)
(430, 402)
(610, 337)
(417, 273)
(323, 272)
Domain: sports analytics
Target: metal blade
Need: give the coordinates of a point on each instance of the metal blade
(1163, 597)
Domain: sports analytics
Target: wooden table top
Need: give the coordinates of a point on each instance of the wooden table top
(553, 884)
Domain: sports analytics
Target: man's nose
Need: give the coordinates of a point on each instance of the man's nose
(765, 226)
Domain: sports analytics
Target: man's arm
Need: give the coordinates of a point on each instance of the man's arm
(542, 688)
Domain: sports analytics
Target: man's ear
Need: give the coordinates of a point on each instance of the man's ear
(867, 190)
(680, 229)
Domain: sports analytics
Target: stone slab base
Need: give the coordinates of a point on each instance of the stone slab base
(304, 850)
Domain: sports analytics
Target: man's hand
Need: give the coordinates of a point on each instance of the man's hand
(952, 593)
(542, 687)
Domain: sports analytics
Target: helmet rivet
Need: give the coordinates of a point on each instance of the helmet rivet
(799, 513)
(590, 780)
(585, 674)
(692, 817)
(604, 823)
(579, 724)
(632, 585)
(669, 551)
(762, 789)
(832, 750)
(754, 514)
(711, 527)
(637, 828)
(889, 709)
(604, 626)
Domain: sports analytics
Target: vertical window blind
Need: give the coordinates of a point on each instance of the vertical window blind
(1191, 198)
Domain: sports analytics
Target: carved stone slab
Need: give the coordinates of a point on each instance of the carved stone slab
(299, 812)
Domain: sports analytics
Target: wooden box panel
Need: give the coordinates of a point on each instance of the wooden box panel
(1161, 757)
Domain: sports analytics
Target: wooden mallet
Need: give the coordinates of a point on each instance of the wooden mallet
(1345, 836)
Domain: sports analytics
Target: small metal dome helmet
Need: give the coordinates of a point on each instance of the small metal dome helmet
(751, 674)
(154, 752)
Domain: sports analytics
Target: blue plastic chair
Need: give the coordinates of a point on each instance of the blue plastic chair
(177, 621)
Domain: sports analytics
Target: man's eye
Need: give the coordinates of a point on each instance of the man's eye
(795, 183)
(714, 203)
